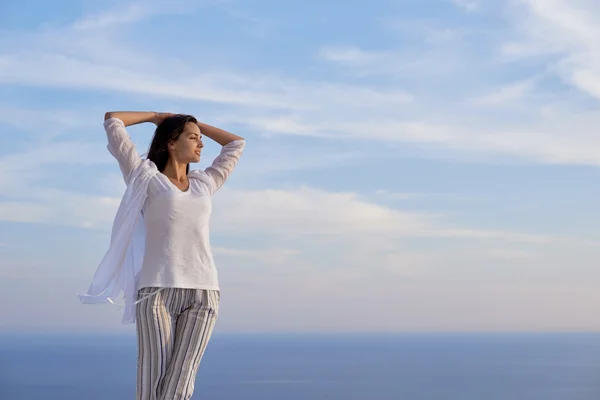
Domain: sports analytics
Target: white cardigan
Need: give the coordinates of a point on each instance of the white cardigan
(122, 262)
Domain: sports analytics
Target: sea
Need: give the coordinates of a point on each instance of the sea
(481, 366)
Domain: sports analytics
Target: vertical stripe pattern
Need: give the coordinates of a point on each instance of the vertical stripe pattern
(174, 327)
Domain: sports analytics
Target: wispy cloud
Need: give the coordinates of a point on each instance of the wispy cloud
(126, 14)
(45, 123)
(510, 93)
(27, 196)
(130, 13)
(316, 213)
(565, 30)
(271, 256)
(302, 212)
(468, 5)
(399, 111)
(398, 64)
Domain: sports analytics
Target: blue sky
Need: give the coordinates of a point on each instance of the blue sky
(410, 165)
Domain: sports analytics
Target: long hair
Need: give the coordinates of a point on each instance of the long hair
(169, 130)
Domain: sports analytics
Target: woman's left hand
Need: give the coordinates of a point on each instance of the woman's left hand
(160, 117)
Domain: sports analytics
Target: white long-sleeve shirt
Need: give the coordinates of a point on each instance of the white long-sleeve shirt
(160, 234)
(178, 250)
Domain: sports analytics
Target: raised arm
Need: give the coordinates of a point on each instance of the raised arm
(218, 135)
(223, 165)
(120, 144)
(136, 117)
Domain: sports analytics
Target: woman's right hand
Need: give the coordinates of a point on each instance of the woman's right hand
(160, 117)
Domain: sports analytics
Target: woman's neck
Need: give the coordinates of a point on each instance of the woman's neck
(176, 171)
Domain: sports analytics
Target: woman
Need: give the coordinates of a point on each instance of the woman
(160, 254)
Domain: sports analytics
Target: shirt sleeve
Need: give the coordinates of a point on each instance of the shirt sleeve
(222, 166)
(121, 146)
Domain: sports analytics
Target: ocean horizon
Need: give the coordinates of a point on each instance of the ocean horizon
(419, 366)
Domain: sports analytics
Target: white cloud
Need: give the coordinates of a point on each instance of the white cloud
(468, 5)
(27, 195)
(510, 93)
(270, 256)
(61, 208)
(126, 14)
(394, 196)
(300, 212)
(46, 123)
(55, 70)
(426, 63)
(388, 195)
(308, 211)
(316, 213)
(565, 30)
(277, 104)
(450, 291)
(555, 139)
(352, 56)
(130, 13)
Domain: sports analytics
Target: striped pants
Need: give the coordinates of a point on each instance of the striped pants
(173, 328)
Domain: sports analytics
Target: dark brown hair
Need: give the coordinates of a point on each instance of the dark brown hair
(169, 130)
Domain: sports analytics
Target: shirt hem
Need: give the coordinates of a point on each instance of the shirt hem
(178, 286)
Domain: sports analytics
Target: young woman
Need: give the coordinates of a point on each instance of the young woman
(160, 254)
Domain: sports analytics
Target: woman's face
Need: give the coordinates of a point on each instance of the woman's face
(188, 146)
